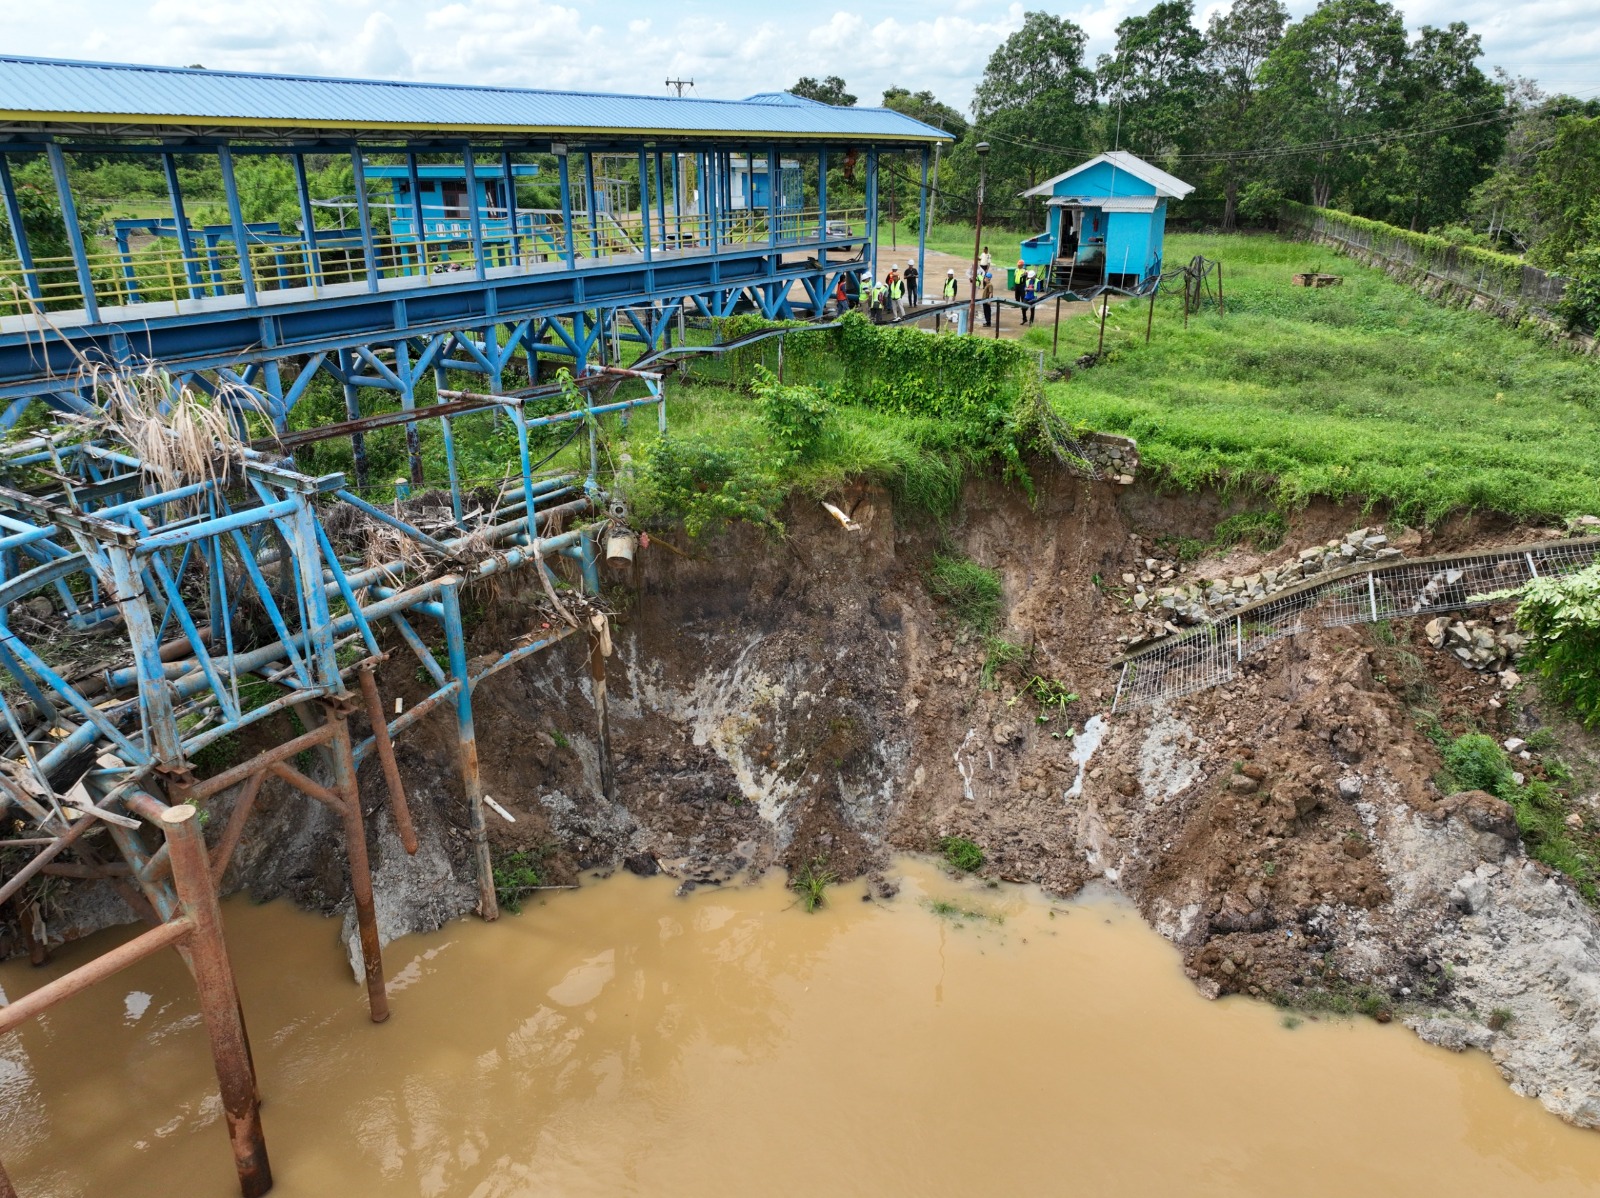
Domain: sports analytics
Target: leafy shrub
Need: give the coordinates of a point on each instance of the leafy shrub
(795, 416)
(971, 591)
(707, 484)
(1561, 617)
(514, 878)
(961, 853)
(1474, 761)
(1580, 303)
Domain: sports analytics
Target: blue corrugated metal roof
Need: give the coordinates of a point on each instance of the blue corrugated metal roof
(36, 89)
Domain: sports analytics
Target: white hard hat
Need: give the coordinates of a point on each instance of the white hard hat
(951, 271)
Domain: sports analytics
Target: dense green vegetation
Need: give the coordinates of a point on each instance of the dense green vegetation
(1561, 617)
(1474, 761)
(1363, 391)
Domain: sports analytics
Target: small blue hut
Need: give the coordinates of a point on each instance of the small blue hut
(1107, 218)
(446, 208)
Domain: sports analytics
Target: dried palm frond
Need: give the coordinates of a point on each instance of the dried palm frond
(179, 436)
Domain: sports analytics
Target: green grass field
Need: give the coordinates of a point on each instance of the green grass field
(1365, 391)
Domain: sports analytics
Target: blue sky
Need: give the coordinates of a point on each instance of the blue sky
(730, 48)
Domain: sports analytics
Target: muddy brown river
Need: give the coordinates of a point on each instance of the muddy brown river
(620, 1040)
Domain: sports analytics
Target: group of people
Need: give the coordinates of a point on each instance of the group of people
(898, 292)
(1025, 288)
(890, 298)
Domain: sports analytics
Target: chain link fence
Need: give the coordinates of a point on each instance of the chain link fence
(1211, 654)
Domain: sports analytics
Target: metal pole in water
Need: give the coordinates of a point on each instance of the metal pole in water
(355, 837)
(599, 650)
(214, 982)
(391, 768)
(466, 737)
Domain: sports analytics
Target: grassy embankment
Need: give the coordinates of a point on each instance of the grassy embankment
(1365, 391)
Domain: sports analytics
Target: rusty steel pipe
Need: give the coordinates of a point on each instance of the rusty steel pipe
(7, 1190)
(355, 838)
(219, 998)
(306, 786)
(231, 777)
(391, 768)
(20, 879)
(234, 832)
(599, 650)
(80, 979)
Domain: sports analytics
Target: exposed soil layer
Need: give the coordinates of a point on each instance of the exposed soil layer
(805, 703)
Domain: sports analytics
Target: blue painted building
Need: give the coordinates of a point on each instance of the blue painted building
(445, 203)
(1107, 218)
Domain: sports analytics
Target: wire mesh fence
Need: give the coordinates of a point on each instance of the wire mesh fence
(1210, 655)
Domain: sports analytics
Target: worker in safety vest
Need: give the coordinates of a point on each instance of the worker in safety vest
(876, 293)
(950, 284)
(986, 293)
(896, 288)
(1030, 296)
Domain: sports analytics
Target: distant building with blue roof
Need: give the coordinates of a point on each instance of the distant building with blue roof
(1107, 219)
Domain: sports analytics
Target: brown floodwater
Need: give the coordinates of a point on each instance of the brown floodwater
(620, 1040)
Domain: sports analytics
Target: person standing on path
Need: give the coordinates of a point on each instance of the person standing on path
(987, 293)
(949, 294)
(1018, 279)
(913, 285)
(1030, 296)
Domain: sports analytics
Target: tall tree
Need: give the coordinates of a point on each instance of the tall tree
(826, 91)
(1333, 81)
(1237, 45)
(1035, 105)
(923, 106)
(1153, 83)
(1452, 131)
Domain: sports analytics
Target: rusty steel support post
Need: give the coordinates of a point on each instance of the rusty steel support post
(1150, 319)
(27, 916)
(599, 650)
(1055, 341)
(219, 996)
(355, 838)
(467, 739)
(391, 768)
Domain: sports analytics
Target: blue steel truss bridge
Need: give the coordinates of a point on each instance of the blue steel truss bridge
(472, 240)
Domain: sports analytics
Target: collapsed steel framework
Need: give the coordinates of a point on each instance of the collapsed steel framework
(230, 601)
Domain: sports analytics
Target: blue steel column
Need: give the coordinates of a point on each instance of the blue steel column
(822, 197)
(308, 221)
(593, 202)
(472, 782)
(474, 216)
(161, 723)
(441, 382)
(241, 238)
(661, 199)
(922, 229)
(364, 214)
(349, 364)
(418, 219)
(772, 196)
(19, 235)
(408, 403)
(872, 209)
(511, 206)
(69, 217)
(191, 268)
(565, 175)
(644, 202)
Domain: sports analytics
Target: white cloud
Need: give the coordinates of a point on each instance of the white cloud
(728, 47)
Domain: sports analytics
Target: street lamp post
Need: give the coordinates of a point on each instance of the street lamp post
(977, 238)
